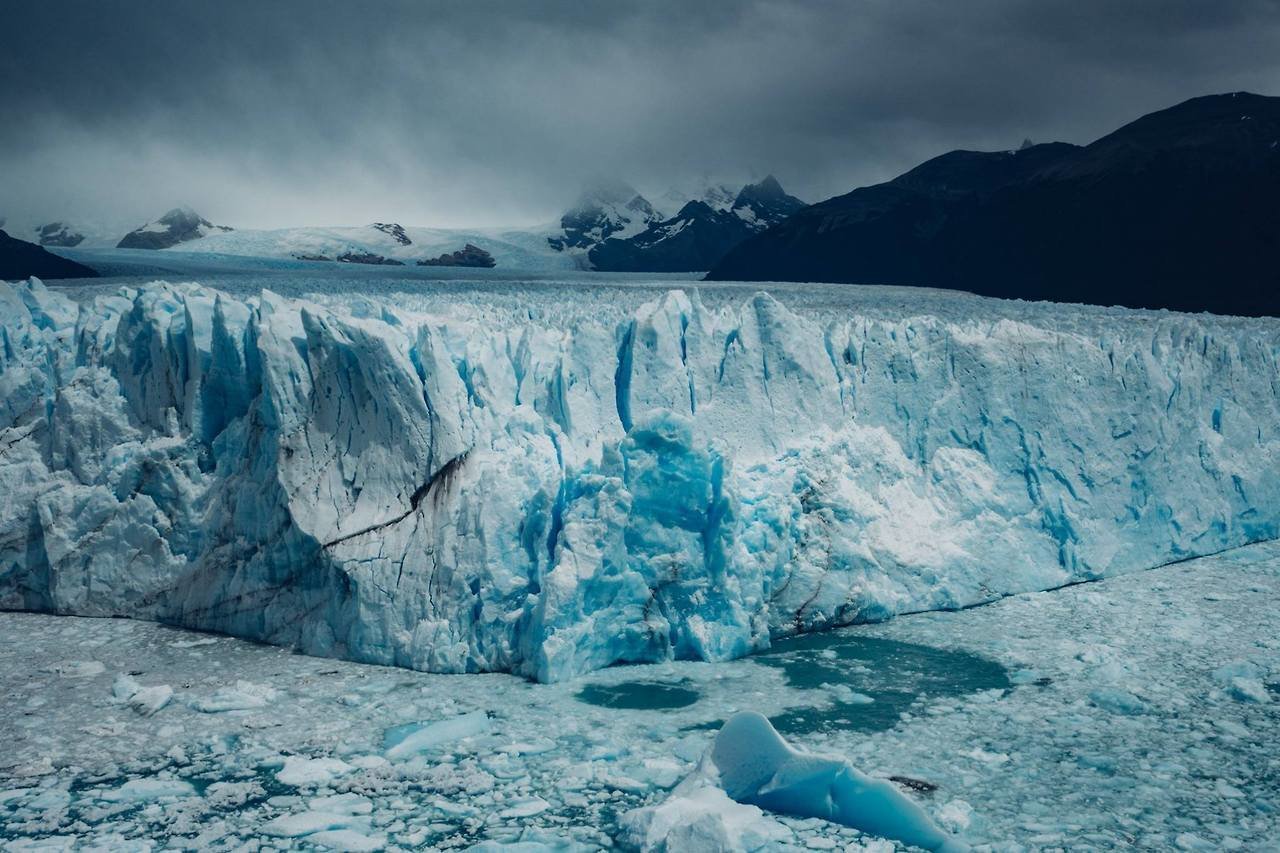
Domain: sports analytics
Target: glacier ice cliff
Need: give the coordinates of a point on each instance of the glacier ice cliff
(458, 495)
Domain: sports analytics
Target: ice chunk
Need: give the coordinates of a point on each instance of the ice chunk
(700, 816)
(1118, 701)
(145, 700)
(348, 840)
(424, 737)
(244, 696)
(146, 790)
(525, 808)
(1249, 690)
(754, 765)
(305, 823)
(79, 668)
(311, 772)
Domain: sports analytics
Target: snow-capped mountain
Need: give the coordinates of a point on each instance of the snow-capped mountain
(763, 204)
(605, 210)
(180, 225)
(715, 195)
(700, 234)
(58, 234)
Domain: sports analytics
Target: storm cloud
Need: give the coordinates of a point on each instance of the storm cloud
(280, 113)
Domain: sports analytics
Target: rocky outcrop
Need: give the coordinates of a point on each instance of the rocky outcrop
(394, 230)
(468, 256)
(368, 258)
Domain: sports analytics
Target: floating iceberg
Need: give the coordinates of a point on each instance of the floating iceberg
(552, 496)
(754, 767)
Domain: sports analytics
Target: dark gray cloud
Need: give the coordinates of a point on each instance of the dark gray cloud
(271, 113)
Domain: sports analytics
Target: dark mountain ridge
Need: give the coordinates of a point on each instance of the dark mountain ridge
(699, 235)
(20, 259)
(1179, 209)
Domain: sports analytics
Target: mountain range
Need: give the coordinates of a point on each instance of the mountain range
(616, 229)
(699, 235)
(1179, 209)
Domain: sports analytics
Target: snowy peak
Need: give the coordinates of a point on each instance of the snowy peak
(766, 203)
(717, 196)
(607, 209)
(59, 235)
(180, 225)
(700, 234)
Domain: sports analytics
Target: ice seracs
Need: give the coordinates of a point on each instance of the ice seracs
(457, 494)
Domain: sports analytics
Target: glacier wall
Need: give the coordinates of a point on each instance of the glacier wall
(455, 495)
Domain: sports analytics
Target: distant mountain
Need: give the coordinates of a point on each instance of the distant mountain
(716, 196)
(468, 256)
(1179, 209)
(58, 234)
(609, 209)
(180, 225)
(699, 235)
(20, 259)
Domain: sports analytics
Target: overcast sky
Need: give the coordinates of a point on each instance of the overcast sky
(482, 113)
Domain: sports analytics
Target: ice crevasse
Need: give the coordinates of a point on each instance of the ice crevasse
(457, 495)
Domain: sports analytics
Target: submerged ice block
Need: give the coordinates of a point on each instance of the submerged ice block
(551, 496)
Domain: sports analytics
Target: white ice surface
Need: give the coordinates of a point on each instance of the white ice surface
(511, 248)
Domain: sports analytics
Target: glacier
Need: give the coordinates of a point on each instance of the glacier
(484, 490)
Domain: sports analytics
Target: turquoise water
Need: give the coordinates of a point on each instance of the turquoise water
(892, 674)
(639, 695)
(855, 683)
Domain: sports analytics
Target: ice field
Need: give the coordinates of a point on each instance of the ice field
(1138, 712)
(539, 482)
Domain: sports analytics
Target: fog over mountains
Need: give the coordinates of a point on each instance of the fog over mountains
(454, 116)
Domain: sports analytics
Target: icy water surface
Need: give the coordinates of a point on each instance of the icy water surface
(857, 683)
(1137, 713)
(873, 681)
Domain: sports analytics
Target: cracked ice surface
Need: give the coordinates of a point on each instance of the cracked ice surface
(551, 484)
(309, 760)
